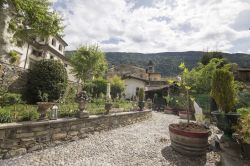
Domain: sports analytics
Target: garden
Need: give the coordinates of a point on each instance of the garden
(47, 86)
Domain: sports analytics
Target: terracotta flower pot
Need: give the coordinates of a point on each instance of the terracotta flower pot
(187, 141)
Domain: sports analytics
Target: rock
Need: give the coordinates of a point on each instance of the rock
(59, 136)
(34, 148)
(23, 135)
(2, 134)
(14, 153)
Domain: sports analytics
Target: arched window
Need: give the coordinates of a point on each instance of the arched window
(53, 42)
(60, 47)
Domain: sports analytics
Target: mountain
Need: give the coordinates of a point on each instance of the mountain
(167, 62)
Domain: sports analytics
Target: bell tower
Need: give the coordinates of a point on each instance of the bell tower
(151, 67)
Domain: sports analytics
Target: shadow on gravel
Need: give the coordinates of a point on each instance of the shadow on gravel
(175, 158)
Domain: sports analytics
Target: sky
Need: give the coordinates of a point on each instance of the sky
(150, 26)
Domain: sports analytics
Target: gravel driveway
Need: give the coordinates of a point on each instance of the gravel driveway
(144, 143)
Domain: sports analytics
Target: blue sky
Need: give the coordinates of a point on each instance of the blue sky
(157, 25)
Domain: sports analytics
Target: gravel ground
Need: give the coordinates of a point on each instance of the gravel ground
(144, 143)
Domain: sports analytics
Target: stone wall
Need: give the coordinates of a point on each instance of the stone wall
(24, 137)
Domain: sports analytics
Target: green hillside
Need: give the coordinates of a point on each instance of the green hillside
(167, 62)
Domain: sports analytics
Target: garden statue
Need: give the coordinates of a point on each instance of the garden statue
(82, 99)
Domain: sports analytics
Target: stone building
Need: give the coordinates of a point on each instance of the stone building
(31, 51)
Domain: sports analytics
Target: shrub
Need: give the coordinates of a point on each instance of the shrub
(10, 99)
(68, 110)
(14, 57)
(243, 129)
(243, 111)
(48, 76)
(100, 87)
(28, 114)
(117, 86)
(141, 94)
(5, 116)
(223, 90)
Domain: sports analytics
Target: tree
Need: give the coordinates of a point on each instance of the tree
(210, 55)
(48, 77)
(88, 62)
(117, 86)
(31, 18)
(223, 90)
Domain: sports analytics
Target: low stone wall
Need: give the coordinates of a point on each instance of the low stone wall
(20, 138)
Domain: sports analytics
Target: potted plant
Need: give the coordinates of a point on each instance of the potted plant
(188, 138)
(44, 105)
(141, 102)
(243, 132)
(224, 94)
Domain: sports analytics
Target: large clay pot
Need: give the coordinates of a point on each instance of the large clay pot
(43, 107)
(225, 122)
(190, 143)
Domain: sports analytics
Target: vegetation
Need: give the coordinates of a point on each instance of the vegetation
(31, 18)
(13, 57)
(210, 55)
(48, 77)
(88, 62)
(10, 99)
(97, 87)
(141, 94)
(117, 86)
(223, 90)
(243, 127)
(5, 116)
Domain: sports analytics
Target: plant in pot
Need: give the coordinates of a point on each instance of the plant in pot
(242, 133)
(224, 93)
(44, 105)
(169, 99)
(141, 102)
(188, 138)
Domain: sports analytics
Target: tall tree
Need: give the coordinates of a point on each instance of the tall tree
(88, 62)
(31, 18)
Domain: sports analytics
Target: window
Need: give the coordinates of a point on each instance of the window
(60, 47)
(51, 57)
(65, 65)
(53, 42)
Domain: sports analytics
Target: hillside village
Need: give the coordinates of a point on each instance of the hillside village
(88, 107)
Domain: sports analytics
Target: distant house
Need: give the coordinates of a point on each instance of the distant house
(243, 74)
(136, 78)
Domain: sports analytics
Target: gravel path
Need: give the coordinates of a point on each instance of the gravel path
(144, 143)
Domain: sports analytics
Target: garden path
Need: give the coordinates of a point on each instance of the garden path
(144, 143)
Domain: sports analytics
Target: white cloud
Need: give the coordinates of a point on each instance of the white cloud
(159, 25)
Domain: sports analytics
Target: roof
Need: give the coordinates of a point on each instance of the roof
(155, 88)
(244, 69)
(61, 40)
(134, 77)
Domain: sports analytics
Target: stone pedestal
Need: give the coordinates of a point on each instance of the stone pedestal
(230, 152)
